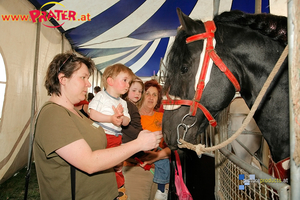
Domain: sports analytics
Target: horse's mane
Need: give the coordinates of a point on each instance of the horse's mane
(267, 24)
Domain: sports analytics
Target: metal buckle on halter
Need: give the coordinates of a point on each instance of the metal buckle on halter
(185, 126)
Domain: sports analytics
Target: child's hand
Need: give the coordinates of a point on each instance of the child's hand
(117, 121)
(117, 118)
(120, 109)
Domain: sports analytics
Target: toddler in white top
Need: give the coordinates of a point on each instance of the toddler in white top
(110, 111)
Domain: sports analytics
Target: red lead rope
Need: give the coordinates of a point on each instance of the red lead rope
(209, 53)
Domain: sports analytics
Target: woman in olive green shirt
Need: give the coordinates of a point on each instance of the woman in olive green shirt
(65, 137)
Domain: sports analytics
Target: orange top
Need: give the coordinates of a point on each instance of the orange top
(153, 123)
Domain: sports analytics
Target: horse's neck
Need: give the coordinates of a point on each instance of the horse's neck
(251, 64)
(272, 115)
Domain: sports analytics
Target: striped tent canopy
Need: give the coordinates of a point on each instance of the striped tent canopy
(136, 33)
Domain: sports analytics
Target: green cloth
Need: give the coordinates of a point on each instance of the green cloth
(56, 127)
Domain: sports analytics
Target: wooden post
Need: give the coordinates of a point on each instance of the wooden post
(257, 6)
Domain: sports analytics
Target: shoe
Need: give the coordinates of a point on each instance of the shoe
(122, 195)
(161, 196)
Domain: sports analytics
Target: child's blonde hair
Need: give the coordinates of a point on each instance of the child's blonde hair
(113, 71)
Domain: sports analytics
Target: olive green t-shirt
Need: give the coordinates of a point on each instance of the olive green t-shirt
(56, 127)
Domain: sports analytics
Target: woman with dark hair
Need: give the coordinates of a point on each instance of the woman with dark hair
(66, 142)
(154, 86)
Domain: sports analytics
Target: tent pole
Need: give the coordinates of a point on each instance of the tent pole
(216, 7)
(33, 108)
(62, 43)
(257, 6)
(294, 95)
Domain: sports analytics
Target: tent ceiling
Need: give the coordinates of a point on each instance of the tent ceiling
(136, 33)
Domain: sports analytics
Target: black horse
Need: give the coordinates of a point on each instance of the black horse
(249, 45)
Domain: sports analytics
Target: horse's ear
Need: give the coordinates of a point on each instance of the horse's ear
(186, 22)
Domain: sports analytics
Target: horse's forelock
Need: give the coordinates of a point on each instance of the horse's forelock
(178, 57)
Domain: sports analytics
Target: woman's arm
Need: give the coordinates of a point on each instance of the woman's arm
(80, 155)
(156, 155)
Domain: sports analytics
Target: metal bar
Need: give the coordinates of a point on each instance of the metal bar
(246, 132)
(293, 27)
(251, 153)
(284, 193)
(238, 114)
(217, 184)
(252, 170)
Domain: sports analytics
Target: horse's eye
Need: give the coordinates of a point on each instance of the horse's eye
(184, 69)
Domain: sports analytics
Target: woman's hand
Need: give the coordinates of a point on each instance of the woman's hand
(152, 156)
(149, 140)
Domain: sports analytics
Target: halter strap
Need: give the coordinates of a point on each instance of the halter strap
(209, 54)
(210, 30)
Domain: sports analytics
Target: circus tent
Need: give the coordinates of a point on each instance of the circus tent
(136, 33)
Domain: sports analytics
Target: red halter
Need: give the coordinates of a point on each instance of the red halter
(209, 54)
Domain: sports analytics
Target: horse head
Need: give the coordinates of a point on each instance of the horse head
(247, 47)
(180, 121)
